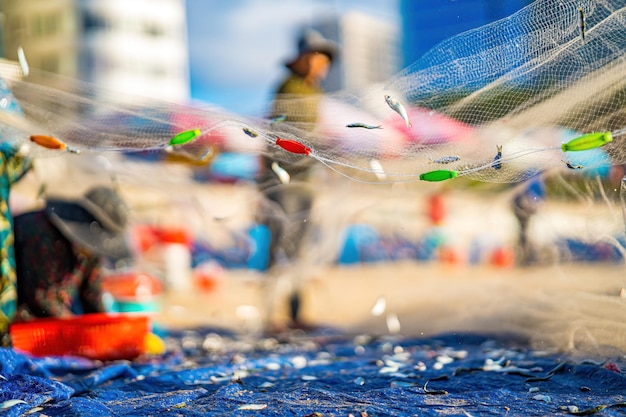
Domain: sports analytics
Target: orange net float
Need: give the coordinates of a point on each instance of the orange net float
(50, 142)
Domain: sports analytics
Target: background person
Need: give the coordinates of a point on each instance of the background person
(60, 252)
(288, 205)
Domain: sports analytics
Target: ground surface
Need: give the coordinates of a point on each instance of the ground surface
(386, 339)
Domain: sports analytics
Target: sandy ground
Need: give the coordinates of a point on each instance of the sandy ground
(571, 307)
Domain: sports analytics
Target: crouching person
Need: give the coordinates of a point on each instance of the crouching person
(60, 250)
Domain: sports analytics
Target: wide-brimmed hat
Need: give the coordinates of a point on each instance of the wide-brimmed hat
(97, 221)
(313, 41)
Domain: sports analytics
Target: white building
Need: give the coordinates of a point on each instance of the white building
(369, 50)
(138, 47)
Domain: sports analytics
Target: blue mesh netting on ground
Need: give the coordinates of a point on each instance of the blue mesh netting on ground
(210, 373)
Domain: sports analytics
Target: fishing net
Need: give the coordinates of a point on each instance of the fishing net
(494, 104)
(216, 374)
(541, 91)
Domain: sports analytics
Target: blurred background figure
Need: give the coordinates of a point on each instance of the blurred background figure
(288, 201)
(60, 253)
(297, 97)
(436, 209)
(525, 205)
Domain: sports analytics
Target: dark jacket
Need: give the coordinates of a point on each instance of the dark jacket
(54, 279)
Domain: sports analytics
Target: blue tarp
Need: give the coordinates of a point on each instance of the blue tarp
(211, 373)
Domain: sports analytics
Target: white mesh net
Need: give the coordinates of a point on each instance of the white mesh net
(492, 104)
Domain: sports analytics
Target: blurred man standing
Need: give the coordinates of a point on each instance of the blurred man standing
(289, 200)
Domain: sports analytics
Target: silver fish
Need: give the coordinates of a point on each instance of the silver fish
(497, 164)
(21, 58)
(582, 23)
(446, 159)
(398, 108)
(377, 169)
(11, 403)
(573, 166)
(379, 307)
(281, 173)
(250, 132)
(363, 125)
(253, 407)
(279, 118)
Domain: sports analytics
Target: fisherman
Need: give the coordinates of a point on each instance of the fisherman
(289, 200)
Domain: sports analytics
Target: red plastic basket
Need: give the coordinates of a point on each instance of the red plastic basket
(95, 336)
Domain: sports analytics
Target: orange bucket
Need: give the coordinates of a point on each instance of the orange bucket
(95, 336)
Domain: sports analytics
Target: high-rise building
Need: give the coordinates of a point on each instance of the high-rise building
(138, 47)
(369, 50)
(426, 23)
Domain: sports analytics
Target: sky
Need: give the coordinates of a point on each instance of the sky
(238, 47)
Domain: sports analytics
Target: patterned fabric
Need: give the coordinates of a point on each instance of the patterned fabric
(55, 278)
(12, 167)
